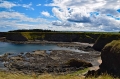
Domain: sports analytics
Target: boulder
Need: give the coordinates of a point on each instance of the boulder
(110, 56)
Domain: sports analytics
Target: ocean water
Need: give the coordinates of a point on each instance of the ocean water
(6, 47)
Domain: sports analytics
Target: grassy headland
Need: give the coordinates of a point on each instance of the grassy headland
(88, 37)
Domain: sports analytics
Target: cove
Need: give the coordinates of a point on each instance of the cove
(6, 47)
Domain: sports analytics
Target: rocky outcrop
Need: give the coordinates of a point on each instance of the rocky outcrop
(15, 37)
(110, 56)
(40, 61)
(104, 39)
(2, 34)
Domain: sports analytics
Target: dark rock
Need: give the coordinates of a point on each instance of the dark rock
(78, 63)
(110, 56)
(15, 37)
(103, 40)
(94, 73)
(39, 61)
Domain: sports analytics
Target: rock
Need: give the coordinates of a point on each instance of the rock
(15, 37)
(16, 58)
(103, 40)
(5, 57)
(40, 61)
(40, 52)
(78, 63)
(94, 73)
(110, 56)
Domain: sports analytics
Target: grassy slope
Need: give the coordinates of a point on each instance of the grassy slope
(114, 45)
(4, 75)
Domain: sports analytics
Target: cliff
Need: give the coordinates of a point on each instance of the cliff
(15, 37)
(99, 39)
(103, 39)
(110, 56)
(52, 36)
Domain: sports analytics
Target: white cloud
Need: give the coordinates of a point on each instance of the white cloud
(9, 5)
(6, 4)
(28, 6)
(18, 20)
(73, 15)
(59, 23)
(15, 16)
(45, 13)
(78, 15)
(78, 11)
(38, 5)
(110, 11)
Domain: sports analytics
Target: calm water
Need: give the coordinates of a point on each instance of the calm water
(17, 48)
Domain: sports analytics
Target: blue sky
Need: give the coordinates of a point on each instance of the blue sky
(62, 15)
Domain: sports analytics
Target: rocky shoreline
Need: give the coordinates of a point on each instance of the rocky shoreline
(56, 61)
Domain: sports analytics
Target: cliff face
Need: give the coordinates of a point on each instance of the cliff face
(59, 37)
(110, 56)
(64, 37)
(15, 37)
(2, 34)
(104, 39)
(99, 40)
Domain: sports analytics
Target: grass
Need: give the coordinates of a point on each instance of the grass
(6, 75)
(114, 46)
(79, 72)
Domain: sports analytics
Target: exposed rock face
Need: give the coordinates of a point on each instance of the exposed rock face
(15, 37)
(2, 34)
(103, 40)
(55, 36)
(110, 56)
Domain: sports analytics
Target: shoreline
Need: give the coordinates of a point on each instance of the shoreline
(54, 56)
(46, 42)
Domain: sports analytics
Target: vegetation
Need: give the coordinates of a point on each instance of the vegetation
(32, 30)
(115, 46)
(6, 75)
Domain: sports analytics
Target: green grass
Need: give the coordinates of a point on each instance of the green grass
(114, 46)
(79, 72)
(6, 75)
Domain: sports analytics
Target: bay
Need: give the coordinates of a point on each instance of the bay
(6, 47)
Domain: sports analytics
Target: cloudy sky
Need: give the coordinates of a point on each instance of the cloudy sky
(62, 15)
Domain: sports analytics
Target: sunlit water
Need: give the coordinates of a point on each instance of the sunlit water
(18, 48)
